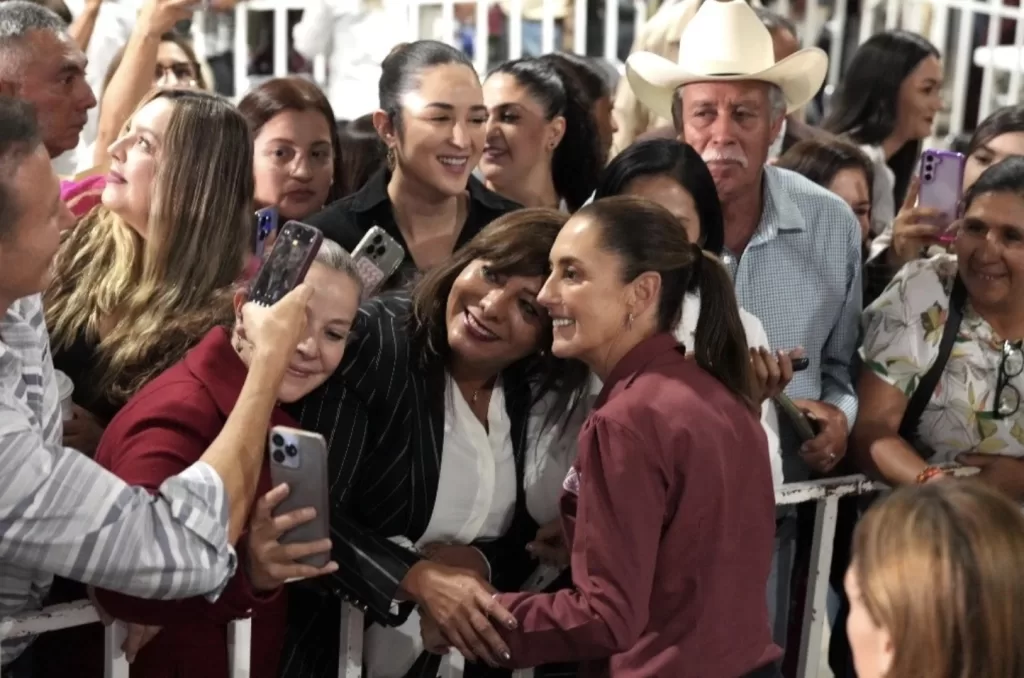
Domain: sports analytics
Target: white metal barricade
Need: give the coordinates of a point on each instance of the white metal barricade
(824, 493)
(947, 23)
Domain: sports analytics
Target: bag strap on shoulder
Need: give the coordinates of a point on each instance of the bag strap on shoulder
(926, 386)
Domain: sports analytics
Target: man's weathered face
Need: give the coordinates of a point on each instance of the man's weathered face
(52, 78)
(732, 126)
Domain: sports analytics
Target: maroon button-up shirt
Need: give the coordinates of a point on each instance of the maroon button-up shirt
(670, 514)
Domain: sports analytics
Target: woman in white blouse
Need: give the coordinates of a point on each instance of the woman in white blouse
(355, 36)
(426, 419)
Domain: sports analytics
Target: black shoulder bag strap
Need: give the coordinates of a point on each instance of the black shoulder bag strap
(926, 386)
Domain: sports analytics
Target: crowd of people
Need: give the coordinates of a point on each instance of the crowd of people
(614, 333)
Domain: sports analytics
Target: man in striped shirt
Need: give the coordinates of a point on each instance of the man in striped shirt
(60, 513)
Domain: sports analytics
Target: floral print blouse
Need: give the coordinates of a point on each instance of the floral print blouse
(902, 332)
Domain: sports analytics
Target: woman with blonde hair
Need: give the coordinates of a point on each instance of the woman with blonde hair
(935, 589)
(149, 272)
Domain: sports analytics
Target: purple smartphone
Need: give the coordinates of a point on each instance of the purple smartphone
(286, 265)
(942, 180)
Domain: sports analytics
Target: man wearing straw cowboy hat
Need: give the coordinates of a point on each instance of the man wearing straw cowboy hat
(792, 248)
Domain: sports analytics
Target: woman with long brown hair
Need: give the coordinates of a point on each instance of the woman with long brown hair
(144, 276)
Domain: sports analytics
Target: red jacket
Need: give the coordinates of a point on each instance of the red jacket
(670, 514)
(164, 429)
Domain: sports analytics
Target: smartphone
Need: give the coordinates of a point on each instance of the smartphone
(801, 364)
(286, 265)
(299, 458)
(377, 257)
(805, 428)
(265, 226)
(942, 181)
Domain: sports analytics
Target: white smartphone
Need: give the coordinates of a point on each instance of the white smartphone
(377, 257)
(299, 458)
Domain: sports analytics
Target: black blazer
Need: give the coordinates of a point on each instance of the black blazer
(382, 414)
(347, 220)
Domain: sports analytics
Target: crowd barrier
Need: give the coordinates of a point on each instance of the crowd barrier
(950, 24)
(824, 493)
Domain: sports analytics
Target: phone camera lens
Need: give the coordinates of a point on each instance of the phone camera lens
(378, 240)
(291, 450)
(379, 251)
(279, 456)
(277, 439)
(927, 176)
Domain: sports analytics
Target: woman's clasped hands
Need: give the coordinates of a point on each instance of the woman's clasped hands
(456, 607)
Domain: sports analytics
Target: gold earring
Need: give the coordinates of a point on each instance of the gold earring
(629, 321)
(391, 158)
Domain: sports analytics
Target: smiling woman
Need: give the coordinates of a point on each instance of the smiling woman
(166, 427)
(924, 403)
(431, 119)
(427, 419)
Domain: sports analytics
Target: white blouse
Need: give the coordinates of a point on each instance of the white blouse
(476, 499)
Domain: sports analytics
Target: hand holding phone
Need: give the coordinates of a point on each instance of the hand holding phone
(286, 265)
(299, 459)
(270, 562)
(806, 428)
(774, 371)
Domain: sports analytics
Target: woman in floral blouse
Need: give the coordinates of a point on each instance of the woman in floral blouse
(974, 415)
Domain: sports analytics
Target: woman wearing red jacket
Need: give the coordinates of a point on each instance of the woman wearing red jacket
(166, 427)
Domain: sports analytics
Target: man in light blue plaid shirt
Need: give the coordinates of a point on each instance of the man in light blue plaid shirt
(792, 247)
(60, 512)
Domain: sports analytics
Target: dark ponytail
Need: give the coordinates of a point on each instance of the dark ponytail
(720, 341)
(660, 246)
(578, 159)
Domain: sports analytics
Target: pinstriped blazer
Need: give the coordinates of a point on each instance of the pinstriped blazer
(382, 414)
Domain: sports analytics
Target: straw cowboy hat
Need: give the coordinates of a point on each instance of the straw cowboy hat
(725, 41)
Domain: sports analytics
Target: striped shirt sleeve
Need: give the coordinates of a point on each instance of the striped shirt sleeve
(62, 513)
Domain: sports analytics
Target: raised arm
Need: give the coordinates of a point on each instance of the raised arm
(60, 512)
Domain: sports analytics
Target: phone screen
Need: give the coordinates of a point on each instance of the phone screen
(286, 265)
(266, 223)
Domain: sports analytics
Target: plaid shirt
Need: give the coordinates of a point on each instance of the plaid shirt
(61, 513)
(801, 276)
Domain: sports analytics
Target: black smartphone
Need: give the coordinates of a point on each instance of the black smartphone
(801, 364)
(286, 265)
(806, 428)
(265, 226)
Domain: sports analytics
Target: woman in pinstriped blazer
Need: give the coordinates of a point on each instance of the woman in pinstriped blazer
(440, 374)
